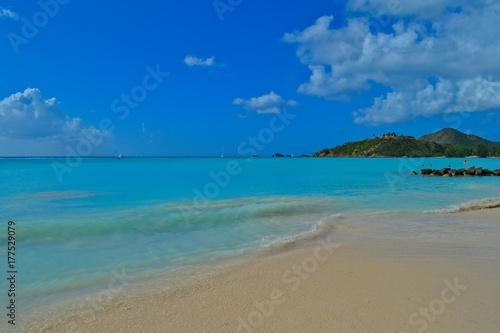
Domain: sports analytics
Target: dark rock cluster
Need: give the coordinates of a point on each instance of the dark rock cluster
(449, 172)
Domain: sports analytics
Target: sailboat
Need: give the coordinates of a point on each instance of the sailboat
(222, 155)
(120, 155)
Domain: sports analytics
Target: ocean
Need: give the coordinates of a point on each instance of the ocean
(80, 225)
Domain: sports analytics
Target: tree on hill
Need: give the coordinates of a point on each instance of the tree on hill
(482, 151)
(456, 151)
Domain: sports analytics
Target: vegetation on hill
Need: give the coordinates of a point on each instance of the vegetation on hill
(450, 136)
(391, 145)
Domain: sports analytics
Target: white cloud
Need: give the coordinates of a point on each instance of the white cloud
(445, 96)
(269, 103)
(422, 8)
(7, 13)
(430, 67)
(401, 105)
(28, 116)
(195, 61)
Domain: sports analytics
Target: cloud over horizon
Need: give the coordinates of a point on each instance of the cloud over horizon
(193, 61)
(28, 115)
(271, 103)
(428, 67)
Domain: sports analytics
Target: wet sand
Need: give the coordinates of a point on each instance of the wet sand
(327, 285)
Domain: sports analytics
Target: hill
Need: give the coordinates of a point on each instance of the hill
(451, 143)
(450, 136)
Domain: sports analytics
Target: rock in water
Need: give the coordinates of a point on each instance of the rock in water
(426, 171)
(487, 172)
(470, 171)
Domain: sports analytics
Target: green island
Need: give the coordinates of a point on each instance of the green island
(447, 142)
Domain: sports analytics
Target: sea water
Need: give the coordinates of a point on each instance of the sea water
(78, 225)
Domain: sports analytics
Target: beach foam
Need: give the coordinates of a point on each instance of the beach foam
(321, 229)
(474, 205)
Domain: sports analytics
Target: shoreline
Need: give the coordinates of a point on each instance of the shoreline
(318, 286)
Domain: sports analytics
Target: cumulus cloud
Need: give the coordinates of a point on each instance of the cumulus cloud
(28, 115)
(192, 61)
(422, 8)
(8, 14)
(445, 96)
(429, 67)
(269, 103)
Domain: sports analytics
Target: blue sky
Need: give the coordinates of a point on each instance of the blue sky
(204, 77)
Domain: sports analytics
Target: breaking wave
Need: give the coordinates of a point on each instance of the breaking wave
(275, 213)
(475, 205)
(318, 230)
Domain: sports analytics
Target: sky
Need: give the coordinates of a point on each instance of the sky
(205, 77)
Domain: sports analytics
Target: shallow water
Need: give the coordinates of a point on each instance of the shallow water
(152, 216)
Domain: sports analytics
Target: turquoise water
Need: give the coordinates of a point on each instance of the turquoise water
(152, 216)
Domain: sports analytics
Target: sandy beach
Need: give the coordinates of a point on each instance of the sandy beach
(250, 166)
(325, 285)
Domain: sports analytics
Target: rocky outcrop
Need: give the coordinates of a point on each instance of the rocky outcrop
(448, 172)
(426, 172)
(470, 171)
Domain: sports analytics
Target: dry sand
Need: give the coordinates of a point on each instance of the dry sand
(390, 286)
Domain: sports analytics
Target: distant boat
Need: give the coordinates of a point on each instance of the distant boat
(119, 156)
(222, 155)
